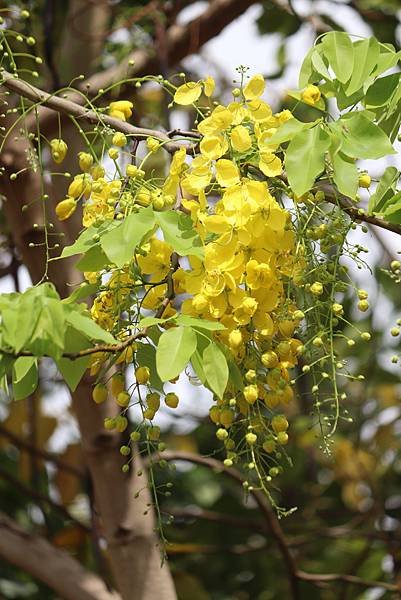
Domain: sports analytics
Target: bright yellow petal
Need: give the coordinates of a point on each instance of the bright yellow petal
(240, 138)
(187, 93)
(255, 87)
(209, 86)
(227, 173)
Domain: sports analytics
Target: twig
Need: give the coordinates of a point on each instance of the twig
(20, 443)
(265, 508)
(294, 573)
(27, 491)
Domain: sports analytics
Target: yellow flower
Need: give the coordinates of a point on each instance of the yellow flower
(254, 88)
(80, 186)
(121, 109)
(251, 393)
(66, 208)
(245, 311)
(213, 146)
(270, 164)
(240, 138)
(157, 260)
(119, 139)
(58, 150)
(311, 95)
(187, 93)
(208, 86)
(258, 275)
(85, 161)
(152, 144)
(227, 173)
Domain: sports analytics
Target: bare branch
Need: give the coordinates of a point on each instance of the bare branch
(73, 109)
(52, 566)
(181, 41)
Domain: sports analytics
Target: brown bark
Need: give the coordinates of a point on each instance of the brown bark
(52, 566)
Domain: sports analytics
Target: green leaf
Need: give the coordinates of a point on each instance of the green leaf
(384, 190)
(288, 130)
(366, 54)
(146, 357)
(307, 73)
(319, 65)
(179, 232)
(24, 376)
(88, 238)
(73, 370)
(215, 368)
(120, 243)
(307, 148)
(381, 91)
(82, 291)
(393, 212)
(87, 326)
(345, 174)
(339, 50)
(361, 138)
(93, 260)
(47, 338)
(197, 364)
(149, 321)
(174, 351)
(189, 321)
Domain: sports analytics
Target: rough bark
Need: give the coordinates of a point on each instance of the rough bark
(52, 566)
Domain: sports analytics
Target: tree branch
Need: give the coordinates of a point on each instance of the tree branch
(73, 109)
(274, 527)
(181, 41)
(49, 564)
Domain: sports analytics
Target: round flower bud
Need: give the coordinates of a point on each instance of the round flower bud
(279, 423)
(123, 399)
(121, 423)
(58, 149)
(363, 305)
(251, 438)
(316, 288)
(135, 436)
(153, 433)
(125, 450)
(270, 359)
(119, 139)
(282, 438)
(117, 384)
(171, 400)
(142, 375)
(221, 434)
(395, 331)
(364, 180)
(366, 336)
(113, 153)
(85, 161)
(99, 393)
(251, 393)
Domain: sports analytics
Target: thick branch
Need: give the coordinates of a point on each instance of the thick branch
(52, 566)
(73, 109)
(181, 41)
